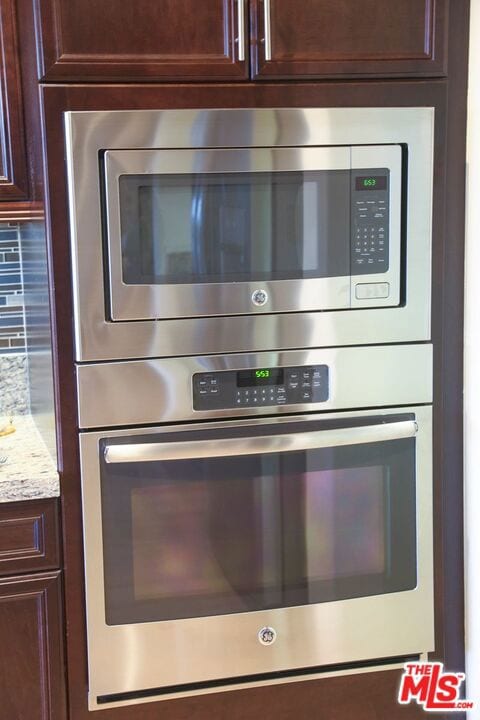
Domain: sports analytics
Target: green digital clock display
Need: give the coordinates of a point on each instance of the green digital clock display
(371, 182)
(262, 376)
(262, 373)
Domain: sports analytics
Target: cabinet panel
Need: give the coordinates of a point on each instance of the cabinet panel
(31, 658)
(163, 40)
(29, 536)
(13, 163)
(332, 38)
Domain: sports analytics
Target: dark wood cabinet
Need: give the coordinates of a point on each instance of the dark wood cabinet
(161, 40)
(29, 536)
(335, 38)
(14, 181)
(31, 656)
(32, 668)
(187, 40)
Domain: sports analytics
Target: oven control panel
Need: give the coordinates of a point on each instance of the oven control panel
(260, 387)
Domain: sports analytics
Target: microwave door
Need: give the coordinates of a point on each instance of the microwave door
(218, 226)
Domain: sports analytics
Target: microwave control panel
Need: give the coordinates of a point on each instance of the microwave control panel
(260, 387)
(370, 221)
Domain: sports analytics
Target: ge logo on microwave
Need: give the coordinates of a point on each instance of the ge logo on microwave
(267, 635)
(260, 297)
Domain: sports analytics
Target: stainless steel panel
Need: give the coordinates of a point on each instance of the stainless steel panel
(153, 452)
(88, 133)
(127, 658)
(38, 331)
(358, 378)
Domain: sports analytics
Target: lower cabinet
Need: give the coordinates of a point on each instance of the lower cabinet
(32, 668)
(31, 654)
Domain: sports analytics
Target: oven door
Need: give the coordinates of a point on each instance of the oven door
(251, 230)
(232, 550)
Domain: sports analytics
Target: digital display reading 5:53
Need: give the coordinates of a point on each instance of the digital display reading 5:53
(262, 376)
(262, 373)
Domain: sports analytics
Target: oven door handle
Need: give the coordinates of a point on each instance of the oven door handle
(228, 447)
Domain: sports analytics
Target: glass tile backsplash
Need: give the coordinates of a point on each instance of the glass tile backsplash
(12, 325)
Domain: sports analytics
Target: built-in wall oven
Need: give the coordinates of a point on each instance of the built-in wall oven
(303, 227)
(254, 375)
(292, 537)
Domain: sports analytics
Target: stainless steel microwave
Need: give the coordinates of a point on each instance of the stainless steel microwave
(197, 231)
(208, 232)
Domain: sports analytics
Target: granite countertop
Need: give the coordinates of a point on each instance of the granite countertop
(29, 471)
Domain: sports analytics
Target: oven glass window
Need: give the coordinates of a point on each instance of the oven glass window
(212, 228)
(190, 538)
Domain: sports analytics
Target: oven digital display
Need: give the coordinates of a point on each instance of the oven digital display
(371, 182)
(262, 376)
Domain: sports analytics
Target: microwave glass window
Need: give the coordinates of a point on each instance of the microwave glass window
(211, 228)
(191, 538)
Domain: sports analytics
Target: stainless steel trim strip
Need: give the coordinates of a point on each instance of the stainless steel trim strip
(94, 705)
(267, 31)
(241, 31)
(154, 452)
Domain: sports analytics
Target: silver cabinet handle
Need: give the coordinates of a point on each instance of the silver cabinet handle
(241, 30)
(155, 452)
(267, 31)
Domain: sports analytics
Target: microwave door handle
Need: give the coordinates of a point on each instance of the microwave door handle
(226, 447)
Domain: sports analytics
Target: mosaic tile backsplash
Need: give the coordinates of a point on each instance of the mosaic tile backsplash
(12, 326)
(13, 360)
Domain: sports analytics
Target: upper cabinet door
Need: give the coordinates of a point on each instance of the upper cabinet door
(14, 182)
(347, 38)
(146, 40)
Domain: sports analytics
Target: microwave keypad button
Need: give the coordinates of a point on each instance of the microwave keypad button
(372, 291)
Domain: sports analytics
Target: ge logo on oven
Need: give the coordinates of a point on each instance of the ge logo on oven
(267, 635)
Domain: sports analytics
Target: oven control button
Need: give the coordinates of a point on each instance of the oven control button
(259, 297)
(267, 636)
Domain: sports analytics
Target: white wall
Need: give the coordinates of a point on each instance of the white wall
(472, 368)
